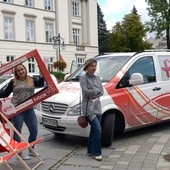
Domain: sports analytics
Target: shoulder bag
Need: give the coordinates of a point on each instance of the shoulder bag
(82, 120)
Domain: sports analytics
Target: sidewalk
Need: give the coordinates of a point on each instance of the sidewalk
(145, 151)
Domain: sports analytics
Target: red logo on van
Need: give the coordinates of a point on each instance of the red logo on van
(166, 68)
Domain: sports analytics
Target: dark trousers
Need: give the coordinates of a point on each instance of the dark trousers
(94, 140)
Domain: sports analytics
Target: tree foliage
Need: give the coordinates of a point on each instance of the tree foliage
(128, 35)
(102, 32)
(60, 65)
(159, 11)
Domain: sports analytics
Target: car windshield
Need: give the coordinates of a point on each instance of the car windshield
(107, 67)
(4, 78)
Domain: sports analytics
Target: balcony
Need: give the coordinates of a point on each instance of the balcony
(80, 48)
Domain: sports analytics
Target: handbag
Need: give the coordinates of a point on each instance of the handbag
(82, 119)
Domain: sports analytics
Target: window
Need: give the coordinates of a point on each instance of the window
(49, 61)
(75, 9)
(29, 3)
(76, 36)
(145, 66)
(49, 32)
(9, 28)
(165, 67)
(50, 64)
(9, 58)
(8, 1)
(80, 61)
(30, 30)
(48, 4)
(31, 65)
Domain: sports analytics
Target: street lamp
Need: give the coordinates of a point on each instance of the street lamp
(58, 41)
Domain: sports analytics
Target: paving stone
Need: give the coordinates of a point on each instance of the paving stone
(105, 167)
(130, 152)
(114, 156)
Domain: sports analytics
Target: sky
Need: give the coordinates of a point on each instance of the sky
(114, 10)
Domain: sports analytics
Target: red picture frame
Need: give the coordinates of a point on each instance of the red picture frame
(41, 95)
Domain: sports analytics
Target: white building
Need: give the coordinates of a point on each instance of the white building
(26, 25)
(158, 43)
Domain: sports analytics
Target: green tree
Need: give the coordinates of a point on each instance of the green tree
(60, 65)
(159, 11)
(102, 32)
(129, 34)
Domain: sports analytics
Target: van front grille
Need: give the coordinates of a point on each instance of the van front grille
(54, 108)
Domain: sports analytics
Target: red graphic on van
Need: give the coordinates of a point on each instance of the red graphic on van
(166, 68)
(161, 101)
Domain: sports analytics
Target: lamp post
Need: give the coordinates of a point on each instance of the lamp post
(58, 41)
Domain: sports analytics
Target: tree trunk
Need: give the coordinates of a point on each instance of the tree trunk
(167, 38)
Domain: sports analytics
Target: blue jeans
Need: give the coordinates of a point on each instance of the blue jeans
(94, 140)
(30, 119)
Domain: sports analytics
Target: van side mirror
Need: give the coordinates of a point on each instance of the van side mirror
(136, 79)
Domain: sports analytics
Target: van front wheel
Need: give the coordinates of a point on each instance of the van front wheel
(108, 129)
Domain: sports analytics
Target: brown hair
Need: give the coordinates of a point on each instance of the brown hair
(89, 62)
(27, 78)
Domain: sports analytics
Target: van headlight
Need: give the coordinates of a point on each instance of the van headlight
(74, 110)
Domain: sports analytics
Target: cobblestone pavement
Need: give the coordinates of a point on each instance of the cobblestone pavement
(142, 149)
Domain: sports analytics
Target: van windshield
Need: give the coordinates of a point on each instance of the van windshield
(107, 67)
(4, 78)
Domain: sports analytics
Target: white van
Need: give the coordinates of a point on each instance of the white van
(136, 94)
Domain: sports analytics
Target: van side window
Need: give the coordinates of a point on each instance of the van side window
(164, 61)
(145, 66)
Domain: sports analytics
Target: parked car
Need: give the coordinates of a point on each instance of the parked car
(136, 94)
(5, 79)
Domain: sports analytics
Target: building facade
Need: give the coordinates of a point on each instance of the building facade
(33, 24)
(158, 43)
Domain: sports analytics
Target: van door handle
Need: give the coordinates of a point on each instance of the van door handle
(156, 88)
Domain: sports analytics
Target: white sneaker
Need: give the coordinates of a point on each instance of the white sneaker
(25, 157)
(98, 158)
(32, 154)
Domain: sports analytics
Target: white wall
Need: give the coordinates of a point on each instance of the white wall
(63, 25)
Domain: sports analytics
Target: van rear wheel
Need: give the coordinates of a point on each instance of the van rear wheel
(108, 129)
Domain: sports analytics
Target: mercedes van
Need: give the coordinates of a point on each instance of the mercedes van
(136, 94)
